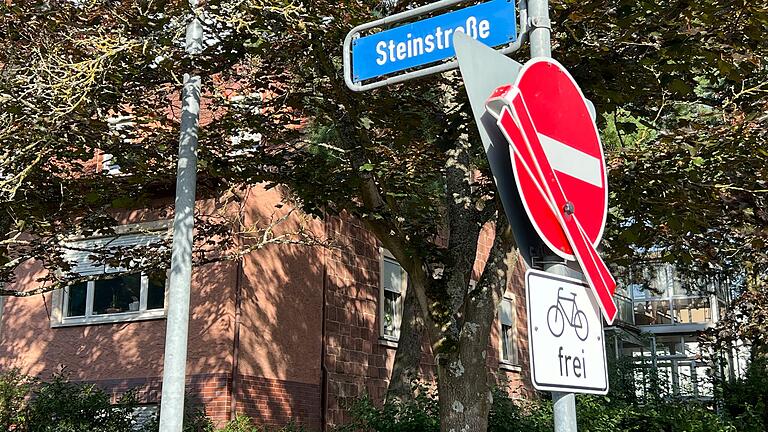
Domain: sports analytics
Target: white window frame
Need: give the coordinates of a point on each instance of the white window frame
(513, 330)
(61, 297)
(385, 255)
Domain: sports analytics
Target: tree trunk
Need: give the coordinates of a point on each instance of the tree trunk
(464, 384)
(465, 395)
(408, 355)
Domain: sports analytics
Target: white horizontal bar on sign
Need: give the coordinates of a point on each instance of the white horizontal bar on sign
(571, 161)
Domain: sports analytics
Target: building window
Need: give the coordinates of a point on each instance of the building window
(115, 294)
(508, 337)
(122, 126)
(671, 299)
(112, 294)
(394, 281)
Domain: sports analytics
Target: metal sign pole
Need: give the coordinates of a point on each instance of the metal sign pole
(564, 403)
(539, 37)
(177, 324)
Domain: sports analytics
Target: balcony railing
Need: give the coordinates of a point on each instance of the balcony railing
(674, 310)
(624, 304)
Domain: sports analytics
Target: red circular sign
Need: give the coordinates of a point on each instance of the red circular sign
(568, 134)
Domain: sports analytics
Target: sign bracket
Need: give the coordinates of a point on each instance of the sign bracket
(441, 67)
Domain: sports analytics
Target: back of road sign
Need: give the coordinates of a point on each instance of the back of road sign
(483, 70)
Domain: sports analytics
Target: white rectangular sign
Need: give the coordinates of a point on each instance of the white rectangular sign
(565, 335)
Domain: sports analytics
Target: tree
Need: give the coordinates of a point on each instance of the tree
(684, 91)
(402, 162)
(82, 82)
(681, 85)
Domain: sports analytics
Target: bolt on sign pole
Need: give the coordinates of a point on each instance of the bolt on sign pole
(539, 37)
(177, 323)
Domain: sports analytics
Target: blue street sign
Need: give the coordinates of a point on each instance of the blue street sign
(492, 23)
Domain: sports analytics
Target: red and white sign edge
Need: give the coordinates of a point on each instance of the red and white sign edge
(495, 105)
(500, 103)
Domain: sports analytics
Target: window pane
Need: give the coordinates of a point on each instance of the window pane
(390, 313)
(76, 296)
(652, 312)
(704, 380)
(626, 313)
(685, 379)
(637, 291)
(692, 310)
(508, 351)
(506, 312)
(156, 290)
(120, 294)
(393, 276)
(669, 346)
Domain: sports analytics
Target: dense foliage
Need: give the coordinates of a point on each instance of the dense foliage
(418, 414)
(27, 405)
(14, 388)
(746, 399)
(594, 414)
(681, 86)
(61, 405)
(243, 423)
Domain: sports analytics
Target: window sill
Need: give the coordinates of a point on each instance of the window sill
(112, 318)
(388, 342)
(510, 367)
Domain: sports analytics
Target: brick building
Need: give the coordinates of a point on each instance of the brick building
(285, 334)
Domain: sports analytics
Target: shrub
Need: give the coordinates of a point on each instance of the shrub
(195, 418)
(243, 423)
(594, 414)
(746, 399)
(508, 415)
(61, 406)
(14, 391)
(417, 415)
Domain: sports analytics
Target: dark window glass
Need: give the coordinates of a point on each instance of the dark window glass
(156, 290)
(507, 345)
(76, 299)
(115, 295)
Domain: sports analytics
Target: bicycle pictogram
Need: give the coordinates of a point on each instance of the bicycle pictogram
(557, 317)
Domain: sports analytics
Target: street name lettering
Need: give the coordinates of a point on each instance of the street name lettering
(389, 51)
(431, 40)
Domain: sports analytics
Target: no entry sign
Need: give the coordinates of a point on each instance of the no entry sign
(558, 166)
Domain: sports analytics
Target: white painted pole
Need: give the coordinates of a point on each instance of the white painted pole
(177, 324)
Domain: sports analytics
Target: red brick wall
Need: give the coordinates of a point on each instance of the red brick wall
(123, 349)
(276, 402)
(211, 391)
(358, 363)
(278, 374)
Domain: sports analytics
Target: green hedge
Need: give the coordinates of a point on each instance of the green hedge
(28, 405)
(58, 405)
(594, 414)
